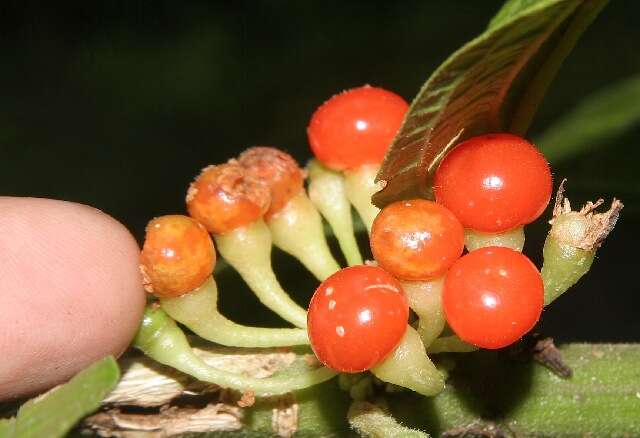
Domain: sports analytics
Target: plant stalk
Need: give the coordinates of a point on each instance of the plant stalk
(489, 388)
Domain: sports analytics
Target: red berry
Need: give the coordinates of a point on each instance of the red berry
(278, 170)
(416, 240)
(492, 297)
(356, 127)
(177, 256)
(494, 182)
(226, 197)
(356, 318)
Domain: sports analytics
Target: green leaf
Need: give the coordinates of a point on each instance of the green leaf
(7, 427)
(57, 411)
(597, 119)
(509, 9)
(494, 83)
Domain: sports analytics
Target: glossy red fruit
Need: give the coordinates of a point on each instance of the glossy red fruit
(177, 256)
(226, 197)
(417, 239)
(278, 170)
(356, 127)
(356, 318)
(494, 182)
(492, 297)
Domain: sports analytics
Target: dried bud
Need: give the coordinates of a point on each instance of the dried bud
(573, 241)
(277, 170)
(226, 197)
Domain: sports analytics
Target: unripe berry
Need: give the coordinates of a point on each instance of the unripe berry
(417, 239)
(177, 256)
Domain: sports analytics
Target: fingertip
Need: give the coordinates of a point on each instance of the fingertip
(71, 291)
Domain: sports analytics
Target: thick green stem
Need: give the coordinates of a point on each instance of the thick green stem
(525, 399)
(198, 310)
(360, 188)
(297, 229)
(522, 398)
(161, 339)
(409, 366)
(513, 239)
(248, 250)
(601, 399)
(328, 193)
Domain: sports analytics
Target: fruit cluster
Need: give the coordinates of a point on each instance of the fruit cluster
(359, 318)
(490, 184)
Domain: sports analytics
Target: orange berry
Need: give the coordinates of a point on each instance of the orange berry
(417, 239)
(177, 256)
(278, 170)
(226, 197)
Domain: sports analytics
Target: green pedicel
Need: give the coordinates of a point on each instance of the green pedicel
(198, 310)
(513, 239)
(360, 187)
(328, 192)
(297, 229)
(409, 366)
(248, 250)
(162, 340)
(425, 299)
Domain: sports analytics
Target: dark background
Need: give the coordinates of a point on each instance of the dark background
(119, 104)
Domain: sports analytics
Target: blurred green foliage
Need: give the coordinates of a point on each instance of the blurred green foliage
(598, 120)
(119, 104)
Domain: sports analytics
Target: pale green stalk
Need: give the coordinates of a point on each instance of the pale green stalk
(328, 193)
(409, 366)
(513, 239)
(450, 344)
(198, 310)
(360, 187)
(161, 339)
(248, 250)
(425, 299)
(297, 229)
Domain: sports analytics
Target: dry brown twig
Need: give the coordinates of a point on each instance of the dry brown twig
(148, 384)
